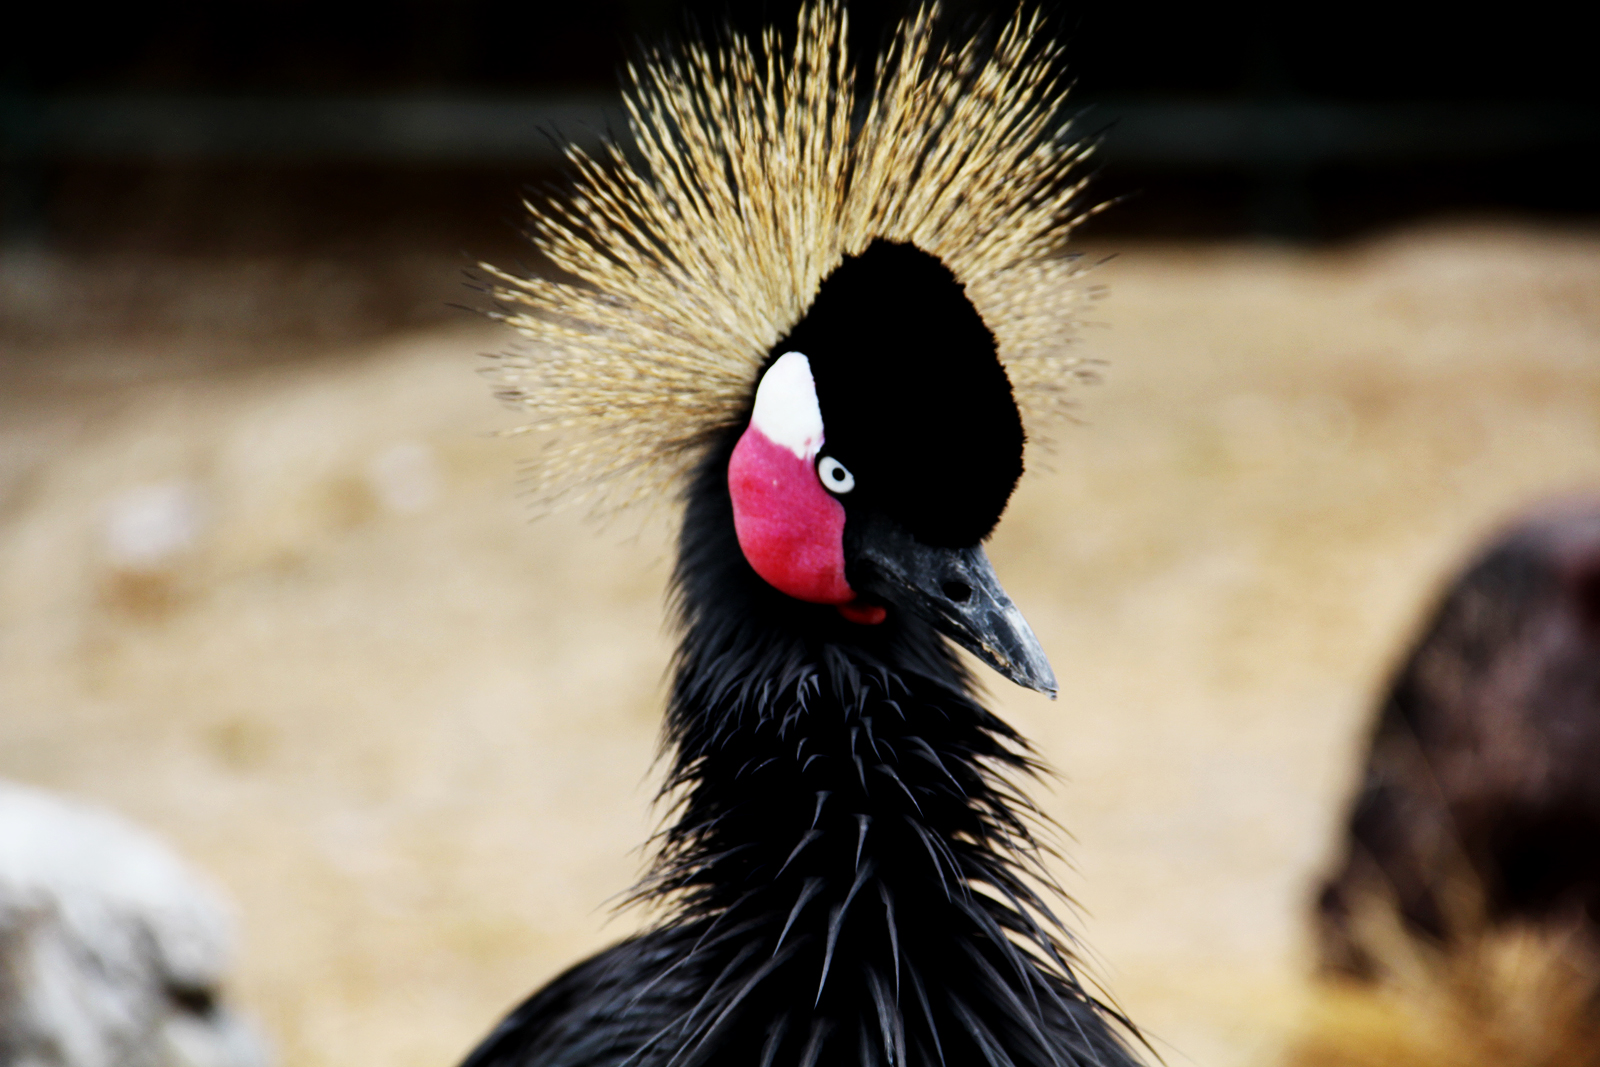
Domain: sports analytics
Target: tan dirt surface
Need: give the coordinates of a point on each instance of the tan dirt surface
(293, 616)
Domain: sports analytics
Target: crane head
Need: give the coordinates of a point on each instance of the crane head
(882, 447)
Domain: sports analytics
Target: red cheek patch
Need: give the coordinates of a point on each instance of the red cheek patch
(791, 529)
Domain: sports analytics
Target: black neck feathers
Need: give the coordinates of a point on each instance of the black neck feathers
(850, 871)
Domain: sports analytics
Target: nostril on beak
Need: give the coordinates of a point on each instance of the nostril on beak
(957, 591)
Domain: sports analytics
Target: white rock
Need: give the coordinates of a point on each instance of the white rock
(112, 950)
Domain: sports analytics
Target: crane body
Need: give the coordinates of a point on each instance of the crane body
(824, 320)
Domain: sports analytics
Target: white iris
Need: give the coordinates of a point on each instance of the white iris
(834, 477)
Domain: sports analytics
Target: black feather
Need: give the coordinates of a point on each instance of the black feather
(768, 957)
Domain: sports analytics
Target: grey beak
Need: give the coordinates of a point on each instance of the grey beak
(956, 591)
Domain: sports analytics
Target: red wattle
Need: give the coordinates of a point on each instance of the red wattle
(790, 528)
(865, 614)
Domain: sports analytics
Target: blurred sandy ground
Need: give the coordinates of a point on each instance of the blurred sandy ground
(287, 609)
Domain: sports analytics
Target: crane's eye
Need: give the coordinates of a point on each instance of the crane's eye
(835, 479)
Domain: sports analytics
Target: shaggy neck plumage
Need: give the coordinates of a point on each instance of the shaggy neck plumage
(841, 802)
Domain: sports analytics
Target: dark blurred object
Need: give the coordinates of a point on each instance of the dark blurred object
(1216, 122)
(1481, 800)
(252, 173)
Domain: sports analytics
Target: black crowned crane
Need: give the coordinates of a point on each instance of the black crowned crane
(822, 316)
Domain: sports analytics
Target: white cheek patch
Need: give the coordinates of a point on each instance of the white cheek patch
(786, 411)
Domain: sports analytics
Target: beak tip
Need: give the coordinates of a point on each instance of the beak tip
(1034, 671)
(1035, 675)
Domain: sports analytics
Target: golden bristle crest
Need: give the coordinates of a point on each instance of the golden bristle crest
(751, 177)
